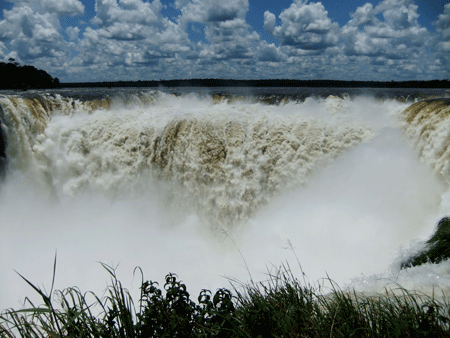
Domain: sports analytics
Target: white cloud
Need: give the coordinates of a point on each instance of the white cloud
(443, 40)
(132, 39)
(132, 11)
(228, 34)
(73, 32)
(64, 7)
(55, 7)
(130, 35)
(3, 51)
(443, 23)
(398, 36)
(269, 22)
(401, 18)
(212, 10)
(31, 31)
(123, 31)
(445, 46)
(131, 20)
(32, 34)
(269, 52)
(304, 26)
(231, 39)
(363, 15)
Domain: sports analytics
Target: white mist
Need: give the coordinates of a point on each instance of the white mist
(349, 217)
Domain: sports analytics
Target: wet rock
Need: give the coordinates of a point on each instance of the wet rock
(437, 247)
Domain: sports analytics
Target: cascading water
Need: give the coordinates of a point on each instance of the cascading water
(204, 185)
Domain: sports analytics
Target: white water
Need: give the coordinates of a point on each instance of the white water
(347, 206)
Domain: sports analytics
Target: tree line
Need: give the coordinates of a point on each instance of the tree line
(265, 83)
(15, 76)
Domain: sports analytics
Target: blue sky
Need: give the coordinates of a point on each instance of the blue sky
(110, 40)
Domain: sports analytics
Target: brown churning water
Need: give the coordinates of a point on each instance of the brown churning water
(187, 183)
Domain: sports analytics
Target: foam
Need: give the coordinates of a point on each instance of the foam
(207, 190)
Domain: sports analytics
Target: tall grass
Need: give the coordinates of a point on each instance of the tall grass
(283, 306)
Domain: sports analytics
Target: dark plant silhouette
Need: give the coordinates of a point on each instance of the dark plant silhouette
(280, 307)
(437, 247)
(15, 76)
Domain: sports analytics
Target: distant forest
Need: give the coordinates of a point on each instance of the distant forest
(266, 83)
(15, 76)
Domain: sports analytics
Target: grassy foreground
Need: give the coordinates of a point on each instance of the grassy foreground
(281, 307)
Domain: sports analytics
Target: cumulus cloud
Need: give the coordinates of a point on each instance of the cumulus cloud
(64, 7)
(228, 35)
(443, 23)
(31, 31)
(130, 34)
(303, 26)
(443, 28)
(131, 11)
(56, 7)
(363, 15)
(134, 39)
(212, 10)
(398, 36)
(3, 50)
(269, 22)
(134, 20)
(269, 52)
(32, 34)
(73, 32)
(230, 39)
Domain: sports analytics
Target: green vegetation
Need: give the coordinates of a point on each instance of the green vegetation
(266, 83)
(281, 307)
(14, 76)
(437, 247)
